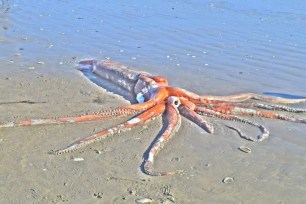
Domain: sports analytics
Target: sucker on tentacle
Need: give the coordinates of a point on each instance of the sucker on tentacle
(280, 108)
(156, 97)
(272, 107)
(252, 112)
(116, 112)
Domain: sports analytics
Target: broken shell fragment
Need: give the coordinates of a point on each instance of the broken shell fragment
(78, 159)
(228, 180)
(144, 200)
(245, 149)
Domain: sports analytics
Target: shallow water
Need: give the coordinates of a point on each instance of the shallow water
(209, 47)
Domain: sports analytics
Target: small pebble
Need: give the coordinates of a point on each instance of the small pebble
(175, 159)
(31, 68)
(78, 159)
(40, 62)
(132, 192)
(98, 195)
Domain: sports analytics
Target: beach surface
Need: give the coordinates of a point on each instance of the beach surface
(208, 47)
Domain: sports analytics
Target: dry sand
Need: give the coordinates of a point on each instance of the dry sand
(221, 59)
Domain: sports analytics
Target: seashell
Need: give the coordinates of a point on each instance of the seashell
(228, 180)
(78, 159)
(98, 151)
(144, 200)
(245, 149)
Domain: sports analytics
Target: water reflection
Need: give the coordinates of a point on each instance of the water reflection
(283, 95)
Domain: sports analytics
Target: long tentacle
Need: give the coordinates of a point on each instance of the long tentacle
(187, 110)
(146, 116)
(116, 112)
(246, 96)
(194, 117)
(213, 113)
(256, 105)
(259, 113)
(174, 122)
(206, 99)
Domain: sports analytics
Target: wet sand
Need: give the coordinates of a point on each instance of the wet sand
(209, 47)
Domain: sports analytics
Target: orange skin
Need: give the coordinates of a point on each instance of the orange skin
(155, 98)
